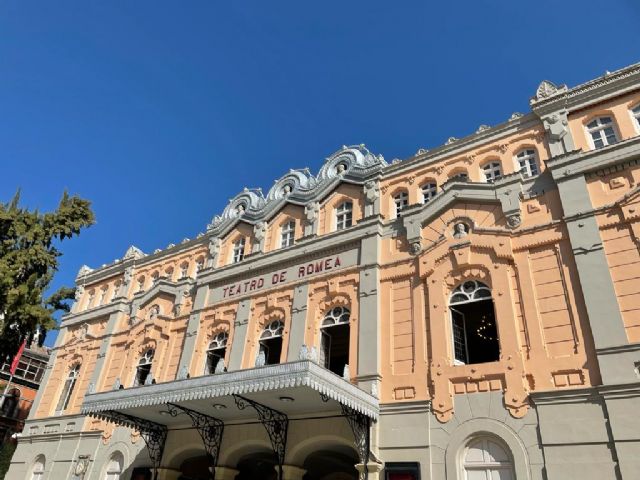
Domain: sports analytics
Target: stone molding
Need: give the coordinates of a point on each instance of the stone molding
(303, 373)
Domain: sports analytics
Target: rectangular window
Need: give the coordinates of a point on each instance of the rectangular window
(238, 250)
(344, 215)
(287, 234)
(402, 471)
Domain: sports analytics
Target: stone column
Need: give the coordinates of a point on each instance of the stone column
(192, 329)
(226, 473)
(298, 321)
(239, 335)
(373, 470)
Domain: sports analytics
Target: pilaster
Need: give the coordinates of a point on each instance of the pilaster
(239, 335)
(114, 318)
(298, 321)
(369, 314)
(193, 325)
(47, 373)
(605, 319)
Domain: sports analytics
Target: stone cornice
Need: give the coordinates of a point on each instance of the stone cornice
(460, 146)
(119, 305)
(594, 91)
(580, 163)
(588, 394)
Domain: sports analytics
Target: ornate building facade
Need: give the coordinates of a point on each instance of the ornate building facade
(471, 312)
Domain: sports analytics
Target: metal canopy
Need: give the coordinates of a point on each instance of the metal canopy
(295, 389)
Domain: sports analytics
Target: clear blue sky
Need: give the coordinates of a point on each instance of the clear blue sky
(159, 112)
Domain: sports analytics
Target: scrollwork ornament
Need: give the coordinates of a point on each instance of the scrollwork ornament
(514, 220)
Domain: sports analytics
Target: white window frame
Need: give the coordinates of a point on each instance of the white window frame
(344, 215)
(599, 129)
(217, 344)
(237, 254)
(461, 176)
(67, 389)
(635, 117)
(37, 471)
(274, 329)
(428, 190)
(145, 359)
(287, 234)
(524, 160)
(492, 171)
(400, 202)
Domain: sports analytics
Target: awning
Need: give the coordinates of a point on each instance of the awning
(296, 388)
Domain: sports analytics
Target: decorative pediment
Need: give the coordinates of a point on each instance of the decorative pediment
(162, 287)
(133, 252)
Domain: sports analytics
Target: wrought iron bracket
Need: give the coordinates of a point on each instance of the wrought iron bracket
(275, 423)
(209, 428)
(360, 426)
(153, 434)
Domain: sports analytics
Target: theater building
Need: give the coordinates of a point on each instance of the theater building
(472, 312)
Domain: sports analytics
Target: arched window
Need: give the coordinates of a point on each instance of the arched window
(602, 132)
(344, 215)
(140, 284)
(216, 353)
(526, 163)
(492, 171)
(271, 343)
(287, 234)
(474, 330)
(10, 403)
(484, 458)
(199, 265)
(400, 201)
(238, 250)
(459, 176)
(67, 389)
(114, 467)
(635, 113)
(37, 472)
(184, 270)
(143, 370)
(429, 191)
(155, 276)
(334, 340)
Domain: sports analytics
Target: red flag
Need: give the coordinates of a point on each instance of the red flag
(16, 359)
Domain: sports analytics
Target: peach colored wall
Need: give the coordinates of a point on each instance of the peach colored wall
(327, 216)
(618, 108)
(290, 212)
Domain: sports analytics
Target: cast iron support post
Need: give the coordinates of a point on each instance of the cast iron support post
(209, 428)
(276, 423)
(360, 426)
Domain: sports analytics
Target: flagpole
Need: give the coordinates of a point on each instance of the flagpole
(6, 387)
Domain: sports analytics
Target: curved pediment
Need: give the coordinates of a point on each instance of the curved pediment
(353, 164)
(162, 287)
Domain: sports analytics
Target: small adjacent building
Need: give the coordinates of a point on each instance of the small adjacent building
(470, 312)
(21, 389)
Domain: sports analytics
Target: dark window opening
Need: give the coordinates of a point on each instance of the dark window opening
(475, 335)
(473, 324)
(142, 374)
(272, 349)
(214, 357)
(334, 348)
(402, 471)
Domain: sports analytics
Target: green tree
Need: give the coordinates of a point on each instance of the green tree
(28, 261)
(6, 452)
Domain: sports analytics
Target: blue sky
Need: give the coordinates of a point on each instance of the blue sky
(159, 112)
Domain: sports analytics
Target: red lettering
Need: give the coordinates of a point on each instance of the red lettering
(310, 269)
(319, 266)
(260, 283)
(224, 292)
(327, 264)
(253, 284)
(274, 278)
(246, 286)
(283, 275)
(337, 262)
(301, 272)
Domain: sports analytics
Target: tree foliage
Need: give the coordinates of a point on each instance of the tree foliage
(28, 261)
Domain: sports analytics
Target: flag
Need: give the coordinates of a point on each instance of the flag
(16, 359)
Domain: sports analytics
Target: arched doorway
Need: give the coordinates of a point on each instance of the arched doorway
(259, 465)
(338, 463)
(195, 468)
